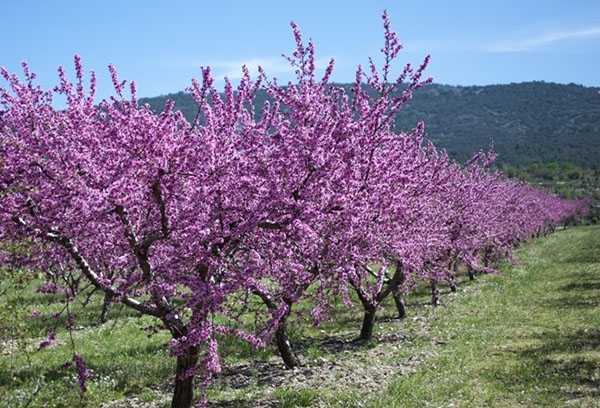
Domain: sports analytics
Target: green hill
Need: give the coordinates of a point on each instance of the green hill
(525, 122)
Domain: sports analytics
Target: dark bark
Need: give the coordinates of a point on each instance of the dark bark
(400, 306)
(435, 294)
(395, 287)
(184, 379)
(370, 309)
(284, 347)
(282, 340)
(105, 306)
(452, 284)
(366, 332)
(88, 298)
(470, 273)
(487, 257)
(452, 280)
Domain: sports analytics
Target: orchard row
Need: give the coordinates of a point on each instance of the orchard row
(312, 195)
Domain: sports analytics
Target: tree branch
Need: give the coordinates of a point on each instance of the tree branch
(86, 269)
(140, 251)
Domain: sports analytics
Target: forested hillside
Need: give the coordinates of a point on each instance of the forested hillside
(526, 122)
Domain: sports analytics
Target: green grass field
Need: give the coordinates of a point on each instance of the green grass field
(528, 337)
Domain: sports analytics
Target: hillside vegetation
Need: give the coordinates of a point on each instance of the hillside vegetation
(565, 179)
(525, 122)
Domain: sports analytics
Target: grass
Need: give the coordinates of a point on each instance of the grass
(527, 337)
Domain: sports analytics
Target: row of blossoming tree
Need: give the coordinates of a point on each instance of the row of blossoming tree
(313, 195)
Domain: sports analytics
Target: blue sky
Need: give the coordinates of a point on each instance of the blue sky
(161, 44)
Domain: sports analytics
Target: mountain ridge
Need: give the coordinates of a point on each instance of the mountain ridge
(526, 122)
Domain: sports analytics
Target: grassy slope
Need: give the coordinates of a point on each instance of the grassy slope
(530, 337)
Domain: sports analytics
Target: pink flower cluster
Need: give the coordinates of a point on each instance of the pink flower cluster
(50, 340)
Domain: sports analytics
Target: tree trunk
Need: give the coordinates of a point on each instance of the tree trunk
(366, 332)
(281, 338)
(470, 273)
(487, 257)
(105, 306)
(435, 294)
(284, 347)
(370, 309)
(400, 306)
(452, 280)
(396, 289)
(452, 284)
(184, 379)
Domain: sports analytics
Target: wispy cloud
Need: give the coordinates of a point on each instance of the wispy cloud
(273, 66)
(546, 39)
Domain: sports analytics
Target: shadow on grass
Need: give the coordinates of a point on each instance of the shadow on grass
(243, 403)
(123, 365)
(19, 377)
(582, 292)
(563, 363)
(576, 302)
(586, 285)
(29, 297)
(88, 317)
(587, 251)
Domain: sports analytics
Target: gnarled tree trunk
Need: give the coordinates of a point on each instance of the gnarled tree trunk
(370, 309)
(396, 289)
(452, 281)
(283, 344)
(184, 380)
(487, 255)
(366, 331)
(282, 341)
(471, 273)
(399, 301)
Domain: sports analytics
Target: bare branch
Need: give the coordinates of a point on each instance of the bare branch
(87, 270)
